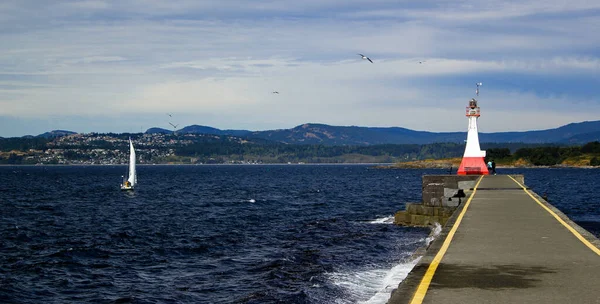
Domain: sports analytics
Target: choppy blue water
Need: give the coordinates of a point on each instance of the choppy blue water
(224, 234)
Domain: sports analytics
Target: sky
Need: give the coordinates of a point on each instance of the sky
(129, 65)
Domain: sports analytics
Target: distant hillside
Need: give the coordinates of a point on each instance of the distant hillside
(197, 129)
(56, 133)
(334, 135)
(583, 138)
(571, 134)
(158, 131)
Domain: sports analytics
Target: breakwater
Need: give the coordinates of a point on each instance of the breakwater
(441, 195)
(505, 244)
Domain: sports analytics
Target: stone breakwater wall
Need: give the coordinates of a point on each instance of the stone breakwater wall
(441, 195)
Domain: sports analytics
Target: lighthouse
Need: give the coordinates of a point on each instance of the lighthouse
(473, 159)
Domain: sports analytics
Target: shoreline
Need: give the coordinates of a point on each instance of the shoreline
(385, 166)
(497, 167)
(262, 164)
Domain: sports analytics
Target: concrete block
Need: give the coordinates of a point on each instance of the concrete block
(425, 210)
(434, 187)
(418, 209)
(407, 217)
(418, 220)
(450, 192)
(430, 220)
(435, 201)
(451, 203)
(432, 196)
(448, 211)
(444, 220)
(412, 208)
(400, 218)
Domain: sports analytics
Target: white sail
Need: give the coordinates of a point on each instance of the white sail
(132, 176)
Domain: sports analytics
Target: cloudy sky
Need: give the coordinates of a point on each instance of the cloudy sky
(121, 66)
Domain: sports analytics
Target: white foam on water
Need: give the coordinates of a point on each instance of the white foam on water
(383, 220)
(374, 285)
(251, 200)
(435, 232)
(391, 280)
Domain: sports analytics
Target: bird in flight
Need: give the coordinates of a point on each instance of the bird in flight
(174, 126)
(366, 58)
(422, 61)
(169, 114)
(275, 92)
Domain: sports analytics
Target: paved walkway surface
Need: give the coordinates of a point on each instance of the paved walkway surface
(507, 246)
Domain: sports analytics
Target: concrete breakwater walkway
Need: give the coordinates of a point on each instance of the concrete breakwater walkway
(506, 245)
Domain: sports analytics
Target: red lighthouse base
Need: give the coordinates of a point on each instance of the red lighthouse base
(472, 166)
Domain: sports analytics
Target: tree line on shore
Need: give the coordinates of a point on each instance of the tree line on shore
(222, 149)
(588, 154)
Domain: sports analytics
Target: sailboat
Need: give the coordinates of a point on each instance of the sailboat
(131, 181)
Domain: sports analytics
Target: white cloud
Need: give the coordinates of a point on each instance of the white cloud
(219, 61)
(472, 12)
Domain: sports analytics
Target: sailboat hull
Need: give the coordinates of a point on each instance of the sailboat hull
(123, 187)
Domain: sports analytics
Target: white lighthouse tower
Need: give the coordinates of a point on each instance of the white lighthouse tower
(473, 159)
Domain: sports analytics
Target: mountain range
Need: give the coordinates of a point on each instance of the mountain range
(310, 133)
(570, 134)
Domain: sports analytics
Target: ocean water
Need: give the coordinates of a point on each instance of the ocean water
(225, 234)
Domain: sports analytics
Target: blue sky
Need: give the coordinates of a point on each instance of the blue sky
(121, 66)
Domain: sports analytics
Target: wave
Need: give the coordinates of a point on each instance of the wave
(383, 220)
(375, 286)
(372, 286)
(435, 232)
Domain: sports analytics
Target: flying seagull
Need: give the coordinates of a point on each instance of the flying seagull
(366, 58)
(169, 115)
(174, 126)
(478, 85)
(275, 92)
(421, 62)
